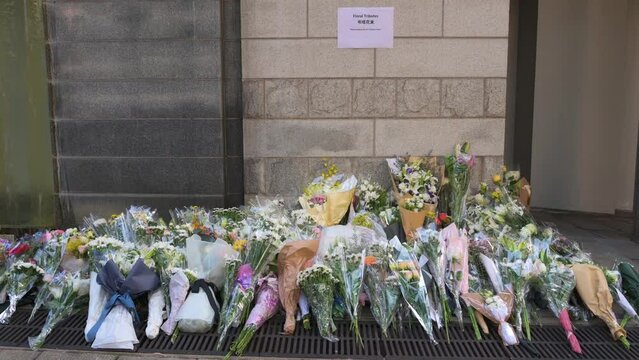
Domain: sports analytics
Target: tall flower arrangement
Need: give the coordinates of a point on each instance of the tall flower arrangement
(318, 283)
(21, 278)
(458, 167)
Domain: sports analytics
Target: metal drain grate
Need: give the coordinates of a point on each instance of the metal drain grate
(409, 341)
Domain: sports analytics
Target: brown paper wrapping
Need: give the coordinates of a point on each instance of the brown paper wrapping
(525, 192)
(333, 210)
(592, 288)
(291, 260)
(477, 302)
(413, 220)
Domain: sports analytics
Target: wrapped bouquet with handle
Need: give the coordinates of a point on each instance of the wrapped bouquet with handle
(415, 188)
(114, 327)
(328, 197)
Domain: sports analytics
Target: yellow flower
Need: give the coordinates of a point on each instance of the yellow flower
(496, 179)
(239, 244)
(496, 195)
(430, 214)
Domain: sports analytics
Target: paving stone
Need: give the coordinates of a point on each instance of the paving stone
(286, 176)
(374, 169)
(330, 98)
(286, 98)
(445, 57)
(495, 97)
(253, 98)
(304, 58)
(418, 97)
(468, 18)
(462, 97)
(73, 355)
(374, 98)
(142, 175)
(254, 176)
(308, 138)
(92, 20)
(260, 18)
(14, 354)
(138, 59)
(434, 136)
(137, 99)
(154, 137)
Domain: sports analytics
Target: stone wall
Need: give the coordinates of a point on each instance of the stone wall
(304, 99)
(146, 104)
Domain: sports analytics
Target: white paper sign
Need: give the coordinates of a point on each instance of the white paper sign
(365, 27)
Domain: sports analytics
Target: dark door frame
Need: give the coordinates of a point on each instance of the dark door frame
(520, 94)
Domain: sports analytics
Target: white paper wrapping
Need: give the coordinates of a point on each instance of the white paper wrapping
(97, 298)
(207, 259)
(156, 311)
(196, 314)
(117, 331)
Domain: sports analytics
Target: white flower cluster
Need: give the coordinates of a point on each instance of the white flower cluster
(104, 242)
(497, 306)
(315, 272)
(21, 266)
(161, 245)
(301, 217)
(526, 269)
(369, 192)
(416, 202)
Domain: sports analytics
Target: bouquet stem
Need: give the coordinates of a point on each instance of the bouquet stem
(8, 312)
(242, 341)
(473, 320)
(564, 319)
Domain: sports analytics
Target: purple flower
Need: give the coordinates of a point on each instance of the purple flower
(409, 170)
(244, 276)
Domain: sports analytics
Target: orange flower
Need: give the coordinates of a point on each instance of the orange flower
(370, 260)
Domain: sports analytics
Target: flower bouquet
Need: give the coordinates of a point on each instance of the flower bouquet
(114, 327)
(328, 197)
(431, 246)
(412, 285)
(629, 283)
(415, 189)
(458, 166)
(318, 283)
(207, 259)
(254, 259)
(614, 284)
(75, 255)
(179, 285)
(371, 197)
(48, 257)
(143, 226)
(414, 212)
(21, 278)
(304, 225)
(497, 308)
(193, 220)
(266, 306)
(457, 268)
(557, 285)
(291, 260)
(227, 223)
(165, 257)
(68, 293)
(382, 287)
(348, 265)
(200, 309)
(592, 288)
(99, 251)
(519, 270)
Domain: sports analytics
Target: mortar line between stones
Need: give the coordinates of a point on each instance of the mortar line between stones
(443, 6)
(307, 20)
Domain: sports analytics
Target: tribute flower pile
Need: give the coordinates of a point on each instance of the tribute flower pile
(218, 269)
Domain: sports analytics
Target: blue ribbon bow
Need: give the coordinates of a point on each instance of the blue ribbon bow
(140, 280)
(115, 299)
